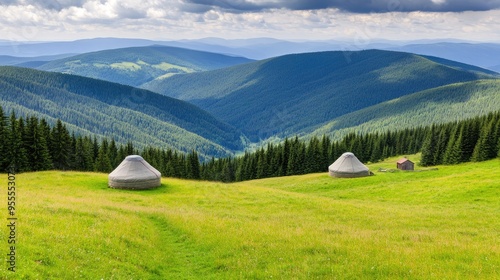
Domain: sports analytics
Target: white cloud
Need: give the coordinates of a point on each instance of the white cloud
(176, 19)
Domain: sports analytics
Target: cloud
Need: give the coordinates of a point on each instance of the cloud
(44, 4)
(291, 19)
(354, 6)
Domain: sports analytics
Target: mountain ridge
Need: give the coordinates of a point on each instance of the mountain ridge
(120, 111)
(137, 65)
(287, 94)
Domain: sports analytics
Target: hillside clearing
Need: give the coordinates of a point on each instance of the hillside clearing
(414, 225)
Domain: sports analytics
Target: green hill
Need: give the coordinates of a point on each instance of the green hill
(91, 106)
(137, 65)
(440, 224)
(288, 94)
(433, 106)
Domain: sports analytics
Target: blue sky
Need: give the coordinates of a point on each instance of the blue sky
(355, 21)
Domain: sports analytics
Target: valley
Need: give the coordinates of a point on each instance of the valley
(230, 104)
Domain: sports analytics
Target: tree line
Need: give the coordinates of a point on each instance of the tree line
(476, 139)
(31, 144)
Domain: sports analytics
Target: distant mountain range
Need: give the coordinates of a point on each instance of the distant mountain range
(30, 61)
(137, 65)
(230, 102)
(295, 93)
(484, 55)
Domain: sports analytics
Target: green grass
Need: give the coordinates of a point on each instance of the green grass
(168, 66)
(441, 224)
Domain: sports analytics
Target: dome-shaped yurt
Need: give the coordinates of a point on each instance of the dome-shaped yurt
(134, 173)
(348, 166)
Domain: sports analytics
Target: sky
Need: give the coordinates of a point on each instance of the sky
(360, 21)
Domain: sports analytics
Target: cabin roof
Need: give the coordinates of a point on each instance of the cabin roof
(403, 160)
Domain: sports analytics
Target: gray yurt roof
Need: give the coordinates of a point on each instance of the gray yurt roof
(134, 173)
(348, 166)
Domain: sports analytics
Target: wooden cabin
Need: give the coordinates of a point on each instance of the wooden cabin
(405, 164)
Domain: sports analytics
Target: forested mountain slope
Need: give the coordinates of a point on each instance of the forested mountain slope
(118, 111)
(137, 65)
(293, 93)
(434, 106)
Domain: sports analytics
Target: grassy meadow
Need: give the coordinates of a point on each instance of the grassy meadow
(439, 224)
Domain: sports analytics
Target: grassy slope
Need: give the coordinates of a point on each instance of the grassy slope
(138, 65)
(291, 93)
(438, 105)
(425, 225)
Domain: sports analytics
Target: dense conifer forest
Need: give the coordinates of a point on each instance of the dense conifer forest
(31, 144)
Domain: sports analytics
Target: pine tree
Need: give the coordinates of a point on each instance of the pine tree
(35, 144)
(261, 164)
(84, 154)
(113, 154)
(60, 146)
(4, 136)
(428, 148)
(442, 142)
(95, 149)
(376, 154)
(192, 166)
(286, 156)
(325, 152)
(498, 147)
(470, 136)
(485, 148)
(453, 153)
(16, 154)
(296, 159)
(102, 163)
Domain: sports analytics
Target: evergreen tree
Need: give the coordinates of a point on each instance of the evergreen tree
(60, 146)
(470, 136)
(325, 151)
(102, 163)
(376, 154)
(285, 157)
(4, 136)
(428, 148)
(313, 156)
(192, 166)
(95, 149)
(84, 154)
(442, 142)
(453, 153)
(498, 147)
(296, 158)
(16, 154)
(262, 166)
(485, 148)
(35, 145)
